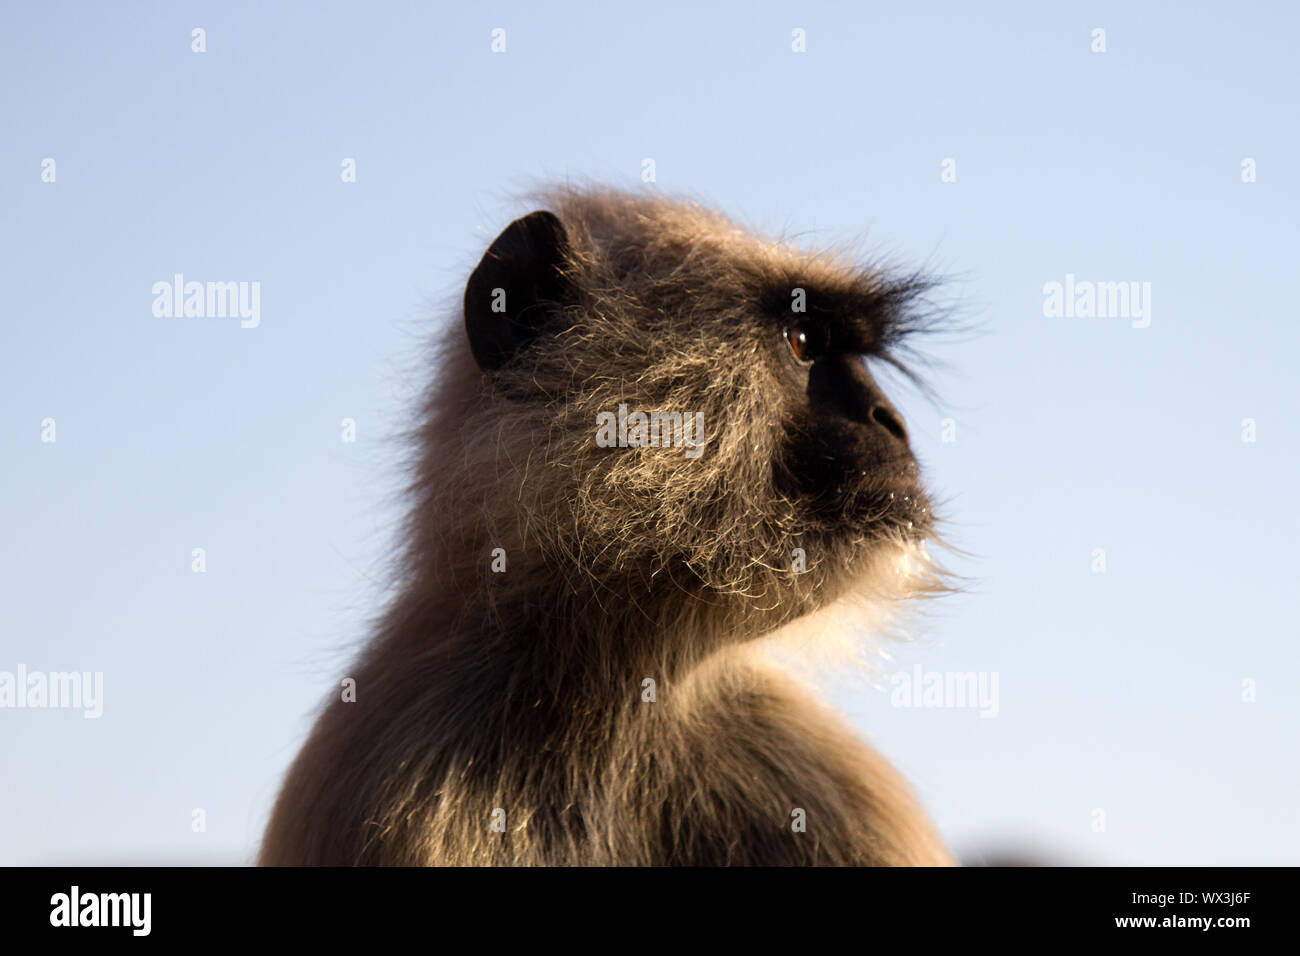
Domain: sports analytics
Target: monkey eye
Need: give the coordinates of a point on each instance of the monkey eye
(807, 342)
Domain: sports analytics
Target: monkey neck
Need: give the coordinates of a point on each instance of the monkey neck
(552, 645)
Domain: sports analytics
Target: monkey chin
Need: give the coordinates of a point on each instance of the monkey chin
(868, 598)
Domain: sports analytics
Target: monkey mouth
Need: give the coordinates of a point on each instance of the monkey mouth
(904, 512)
(915, 519)
(887, 498)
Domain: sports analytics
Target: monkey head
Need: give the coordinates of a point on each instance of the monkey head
(780, 476)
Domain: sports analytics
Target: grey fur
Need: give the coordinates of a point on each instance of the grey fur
(522, 691)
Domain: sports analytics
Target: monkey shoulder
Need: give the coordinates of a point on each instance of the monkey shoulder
(770, 776)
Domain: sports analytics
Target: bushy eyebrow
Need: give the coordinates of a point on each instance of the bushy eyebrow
(869, 315)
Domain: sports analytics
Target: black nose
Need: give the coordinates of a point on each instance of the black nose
(887, 417)
(842, 386)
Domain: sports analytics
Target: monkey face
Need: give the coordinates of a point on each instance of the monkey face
(845, 455)
(620, 305)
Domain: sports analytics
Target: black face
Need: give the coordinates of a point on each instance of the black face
(847, 457)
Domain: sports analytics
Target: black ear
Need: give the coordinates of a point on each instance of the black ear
(517, 287)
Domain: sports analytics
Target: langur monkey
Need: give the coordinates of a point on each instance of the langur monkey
(654, 442)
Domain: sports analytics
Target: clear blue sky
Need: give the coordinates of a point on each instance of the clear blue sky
(1120, 691)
